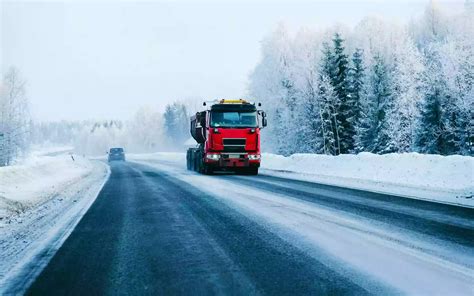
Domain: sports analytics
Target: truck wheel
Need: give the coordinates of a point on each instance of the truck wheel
(207, 170)
(199, 163)
(190, 160)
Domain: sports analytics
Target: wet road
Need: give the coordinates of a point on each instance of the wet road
(151, 232)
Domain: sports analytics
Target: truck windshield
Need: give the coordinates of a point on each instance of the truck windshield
(234, 119)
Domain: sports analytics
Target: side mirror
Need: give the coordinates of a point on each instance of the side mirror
(264, 122)
(106, 152)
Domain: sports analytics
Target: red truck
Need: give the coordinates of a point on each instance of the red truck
(228, 137)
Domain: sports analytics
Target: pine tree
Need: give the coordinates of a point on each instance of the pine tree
(372, 131)
(329, 104)
(356, 78)
(430, 136)
(341, 85)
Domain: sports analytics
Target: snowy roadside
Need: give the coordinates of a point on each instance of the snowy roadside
(41, 201)
(446, 179)
(37, 179)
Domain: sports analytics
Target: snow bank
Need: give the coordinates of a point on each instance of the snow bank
(41, 201)
(441, 178)
(37, 179)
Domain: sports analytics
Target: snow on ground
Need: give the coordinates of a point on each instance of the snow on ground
(447, 179)
(37, 179)
(41, 200)
(50, 150)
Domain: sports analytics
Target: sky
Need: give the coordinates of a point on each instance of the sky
(105, 59)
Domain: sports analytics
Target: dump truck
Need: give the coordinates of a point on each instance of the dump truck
(228, 138)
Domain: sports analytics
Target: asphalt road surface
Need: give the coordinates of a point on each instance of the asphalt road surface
(150, 232)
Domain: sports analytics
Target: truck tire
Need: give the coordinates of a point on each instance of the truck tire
(197, 161)
(208, 170)
(188, 163)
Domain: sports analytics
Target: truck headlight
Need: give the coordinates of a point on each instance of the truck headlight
(213, 156)
(254, 156)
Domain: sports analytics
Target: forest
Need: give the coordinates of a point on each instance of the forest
(380, 87)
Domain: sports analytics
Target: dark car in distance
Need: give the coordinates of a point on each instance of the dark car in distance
(116, 154)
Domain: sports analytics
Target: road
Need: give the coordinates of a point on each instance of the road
(161, 230)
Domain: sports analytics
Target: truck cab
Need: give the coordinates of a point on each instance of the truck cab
(228, 138)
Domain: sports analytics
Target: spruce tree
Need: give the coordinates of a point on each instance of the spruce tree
(341, 84)
(372, 129)
(431, 135)
(430, 138)
(356, 78)
(329, 104)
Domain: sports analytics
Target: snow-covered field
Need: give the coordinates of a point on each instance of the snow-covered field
(41, 200)
(448, 179)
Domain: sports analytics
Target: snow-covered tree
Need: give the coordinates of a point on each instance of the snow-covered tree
(406, 87)
(458, 68)
(356, 91)
(144, 133)
(330, 124)
(341, 84)
(14, 118)
(307, 116)
(431, 135)
(176, 124)
(273, 84)
(373, 124)
(432, 27)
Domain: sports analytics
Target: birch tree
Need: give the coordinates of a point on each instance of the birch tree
(14, 118)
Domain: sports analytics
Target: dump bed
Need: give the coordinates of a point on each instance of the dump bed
(197, 131)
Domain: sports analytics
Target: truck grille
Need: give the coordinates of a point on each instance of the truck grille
(233, 142)
(234, 145)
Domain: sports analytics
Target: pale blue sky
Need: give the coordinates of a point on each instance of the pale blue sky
(105, 59)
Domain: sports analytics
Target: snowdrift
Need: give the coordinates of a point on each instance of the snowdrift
(38, 179)
(442, 178)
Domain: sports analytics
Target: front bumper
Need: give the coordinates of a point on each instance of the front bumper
(230, 160)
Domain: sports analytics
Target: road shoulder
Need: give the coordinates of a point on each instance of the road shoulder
(31, 238)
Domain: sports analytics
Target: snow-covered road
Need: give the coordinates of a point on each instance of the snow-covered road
(156, 228)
